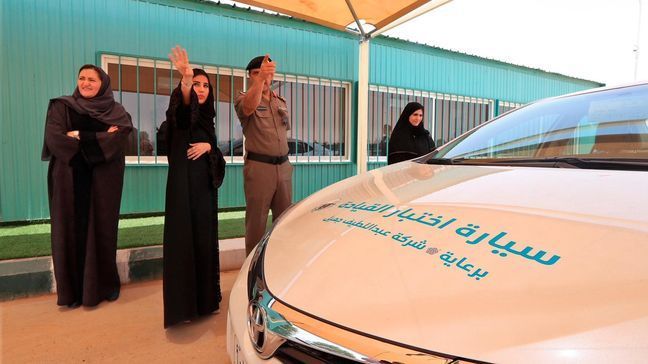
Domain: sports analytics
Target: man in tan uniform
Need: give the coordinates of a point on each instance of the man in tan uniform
(267, 173)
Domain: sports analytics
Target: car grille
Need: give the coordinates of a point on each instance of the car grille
(293, 353)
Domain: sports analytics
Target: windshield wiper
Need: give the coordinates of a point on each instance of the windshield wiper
(554, 162)
(573, 162)
(443, 161)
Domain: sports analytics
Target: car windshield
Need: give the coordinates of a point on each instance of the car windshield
(605, 125)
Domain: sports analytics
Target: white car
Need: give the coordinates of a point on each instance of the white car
(521, 241)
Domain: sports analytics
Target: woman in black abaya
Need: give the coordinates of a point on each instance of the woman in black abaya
(409, 139)
(85, 140)
(196, 169)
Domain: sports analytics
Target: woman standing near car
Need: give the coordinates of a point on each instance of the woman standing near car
(191, 277)
(409, 139)
(85, 140)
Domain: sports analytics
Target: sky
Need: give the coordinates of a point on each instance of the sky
(590, 39)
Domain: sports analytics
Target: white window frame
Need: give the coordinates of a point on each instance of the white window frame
(511, 104)
(345, 158)
(136, 61)
(161, 64)
(229, 71)
(434, 96)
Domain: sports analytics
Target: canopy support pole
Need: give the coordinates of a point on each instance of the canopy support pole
(363, 107)
(357, 20)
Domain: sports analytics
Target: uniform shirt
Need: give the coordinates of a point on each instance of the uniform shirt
(265, 129)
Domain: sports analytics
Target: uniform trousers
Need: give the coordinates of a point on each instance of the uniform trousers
(267, 186)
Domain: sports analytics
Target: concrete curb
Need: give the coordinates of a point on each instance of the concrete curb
(34, 276)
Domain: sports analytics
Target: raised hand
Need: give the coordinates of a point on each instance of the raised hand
(180, 60)
(267, 70)
(113, 129)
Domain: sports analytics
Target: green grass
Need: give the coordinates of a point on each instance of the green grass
(34, 240)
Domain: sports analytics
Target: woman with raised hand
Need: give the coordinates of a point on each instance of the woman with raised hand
(85, 140)
(196, 169)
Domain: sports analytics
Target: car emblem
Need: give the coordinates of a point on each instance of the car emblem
(322, 207)
(256, 325)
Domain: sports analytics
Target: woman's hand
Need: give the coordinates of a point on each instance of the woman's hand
(73, 134)
(197, 150)
(180, 60)
(112, 129)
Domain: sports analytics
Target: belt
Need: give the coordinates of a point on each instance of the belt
(266, 158)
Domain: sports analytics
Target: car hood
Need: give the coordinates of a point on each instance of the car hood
(502, 264)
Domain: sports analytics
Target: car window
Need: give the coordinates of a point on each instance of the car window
(238, 149)
(304, 148)
(605, 124)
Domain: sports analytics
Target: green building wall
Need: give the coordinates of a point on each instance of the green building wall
(44, 43)
(443, 71)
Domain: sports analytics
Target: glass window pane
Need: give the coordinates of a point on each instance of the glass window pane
(317, 108)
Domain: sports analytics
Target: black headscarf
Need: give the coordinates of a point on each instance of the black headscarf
(203, 115)
(408, 141)
(102, 107)
(206, 110)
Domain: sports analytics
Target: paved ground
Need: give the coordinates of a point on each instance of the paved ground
(129, 330)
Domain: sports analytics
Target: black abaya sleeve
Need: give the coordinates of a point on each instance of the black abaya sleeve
(178, 114)
(102, 146)
(57, 143)
(90, 148)
(63, 147)
(431, 143)
(114, 144)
